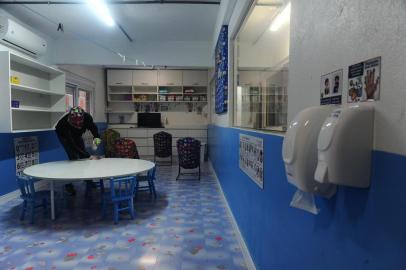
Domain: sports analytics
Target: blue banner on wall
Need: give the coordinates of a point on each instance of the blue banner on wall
(221, 71)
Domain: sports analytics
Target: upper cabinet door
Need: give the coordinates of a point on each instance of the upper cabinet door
(120, 77)
(145, 78)
(194, 78)
(170, 78)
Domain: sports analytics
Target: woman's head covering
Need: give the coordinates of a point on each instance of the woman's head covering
(76, 117)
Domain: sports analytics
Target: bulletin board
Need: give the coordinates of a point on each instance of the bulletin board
(26, 153)
(221, 71)
(252, 158)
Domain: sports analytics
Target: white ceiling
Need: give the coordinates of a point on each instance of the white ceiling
(143, 22)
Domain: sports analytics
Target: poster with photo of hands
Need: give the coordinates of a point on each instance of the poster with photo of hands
(251, 158)
(364, 81)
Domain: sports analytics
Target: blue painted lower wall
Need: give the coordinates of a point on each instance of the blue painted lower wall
(356, 229)
(49, 147)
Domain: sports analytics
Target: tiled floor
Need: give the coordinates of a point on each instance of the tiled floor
(187, 227)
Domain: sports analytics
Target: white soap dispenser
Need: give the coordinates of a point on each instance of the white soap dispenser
(299, 150)
(345, 146)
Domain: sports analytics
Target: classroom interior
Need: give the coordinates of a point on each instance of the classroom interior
(217, 134)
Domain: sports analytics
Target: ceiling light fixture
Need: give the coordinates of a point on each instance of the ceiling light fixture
(281, 19)
(99, 8)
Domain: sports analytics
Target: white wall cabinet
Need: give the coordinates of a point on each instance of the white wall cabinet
(34, 99)
(194, 78)
(170, 78)
(145, 78)
(119, 77)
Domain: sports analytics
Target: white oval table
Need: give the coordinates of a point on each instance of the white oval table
(79, 170)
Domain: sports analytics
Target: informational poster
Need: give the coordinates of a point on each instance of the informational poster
(364, 80)
(331, 88)
(221, 71)
(26, 153)
(252, 158)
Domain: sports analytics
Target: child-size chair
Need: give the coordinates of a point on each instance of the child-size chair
(189, 155)
(32, 199)
(146, 183)
(162, 145)
(125, 148)
(121, 195)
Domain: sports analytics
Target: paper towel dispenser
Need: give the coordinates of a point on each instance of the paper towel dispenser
(345, 146)
(299, 150)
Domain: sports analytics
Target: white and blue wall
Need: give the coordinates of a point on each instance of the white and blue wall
(357, 228)
(49, 147)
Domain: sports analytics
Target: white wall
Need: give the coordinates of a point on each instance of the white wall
(95, 74)
(327, 35)
(168, 53)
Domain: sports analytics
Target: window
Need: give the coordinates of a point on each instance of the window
(261, 69)
(79, 97)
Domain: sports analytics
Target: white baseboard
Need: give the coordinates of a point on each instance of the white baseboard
(243, 246)
(16, 193)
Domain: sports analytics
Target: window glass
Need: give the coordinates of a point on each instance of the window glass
(262, 58)
(70, 96)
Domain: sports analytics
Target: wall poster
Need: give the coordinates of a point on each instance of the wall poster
(252, 158)
(26, 153)
(364, 80)
(221, 71)
(331, 87)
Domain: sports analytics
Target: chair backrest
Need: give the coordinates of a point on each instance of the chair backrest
(122, 188)
(125, 148)
(162, 144)
(109, 137)
(27, 188)
(188, 152)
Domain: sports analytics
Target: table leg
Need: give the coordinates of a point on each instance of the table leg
(52, 200)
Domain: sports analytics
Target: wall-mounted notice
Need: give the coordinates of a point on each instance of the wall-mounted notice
(252, 158)
(364, 80)
(26, 153)
(331, 87)
(221, 71)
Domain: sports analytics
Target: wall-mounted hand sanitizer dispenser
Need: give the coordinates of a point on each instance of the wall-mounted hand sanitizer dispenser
(299, 150)
(345, 146)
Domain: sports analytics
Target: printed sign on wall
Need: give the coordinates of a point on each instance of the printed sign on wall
(26, 153)
(331, 88)
(364, 80)
(252, 158)
(221, 71)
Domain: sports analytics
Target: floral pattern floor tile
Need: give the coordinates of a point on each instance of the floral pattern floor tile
(186, 228)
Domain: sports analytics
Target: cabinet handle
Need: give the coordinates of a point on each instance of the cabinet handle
(119, 83)
(144, 83)
(196, 83)
(170, 83)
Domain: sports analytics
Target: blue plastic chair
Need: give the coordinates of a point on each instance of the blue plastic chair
(149, 181)
(121, 195)
(32, 199)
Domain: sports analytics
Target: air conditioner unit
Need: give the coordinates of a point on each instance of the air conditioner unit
(17, 36)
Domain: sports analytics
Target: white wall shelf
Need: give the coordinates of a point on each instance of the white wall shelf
(34, 90)
(156, 91)
(38, 89)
